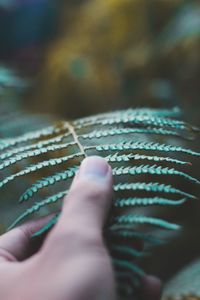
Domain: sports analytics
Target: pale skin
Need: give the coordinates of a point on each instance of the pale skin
(73, 262)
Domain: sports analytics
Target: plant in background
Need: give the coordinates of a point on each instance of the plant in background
(147, 174)
(14, 120)
(134, 52)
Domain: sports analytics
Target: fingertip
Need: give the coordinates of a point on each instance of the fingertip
(94, 166)
(90, 196)
(93, 180)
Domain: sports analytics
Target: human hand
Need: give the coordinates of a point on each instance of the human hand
(73, 262)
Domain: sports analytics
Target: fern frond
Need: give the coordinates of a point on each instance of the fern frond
(155, 187)
(127, 250)
(122, 131)
(143, 146)
(153, 170)
(127, 157)
(34, 168)
(174, 112)
(31, 136)
(33, 153)
(131, 267)
(47, 226)
(37, 206)
(129, 233)
(37, 145)
(144, 120)
(136, 219)
(147, 201)
(50, 180)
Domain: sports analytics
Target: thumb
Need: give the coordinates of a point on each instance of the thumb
(85, 207)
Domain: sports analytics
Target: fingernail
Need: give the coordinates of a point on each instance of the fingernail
(94, 166)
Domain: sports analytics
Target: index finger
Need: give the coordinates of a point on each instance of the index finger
(17, 244)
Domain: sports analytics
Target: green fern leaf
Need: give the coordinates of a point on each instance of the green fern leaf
(122, 131)
(128, 233)
(144, 120)
(33, 153)
(122, 264)
(173, 113)
(147, 201)
(37, 206)
(37, 145)
(127, 251)
(127, 157)
(47, 226)
(131, 219)
(40, 184)
(49, 156)
(151, 187)
(153, 170)
(34, 168)
(44, 133)
(143, 146)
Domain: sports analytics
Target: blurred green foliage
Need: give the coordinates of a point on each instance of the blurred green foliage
(121, 53)
(108, 55)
